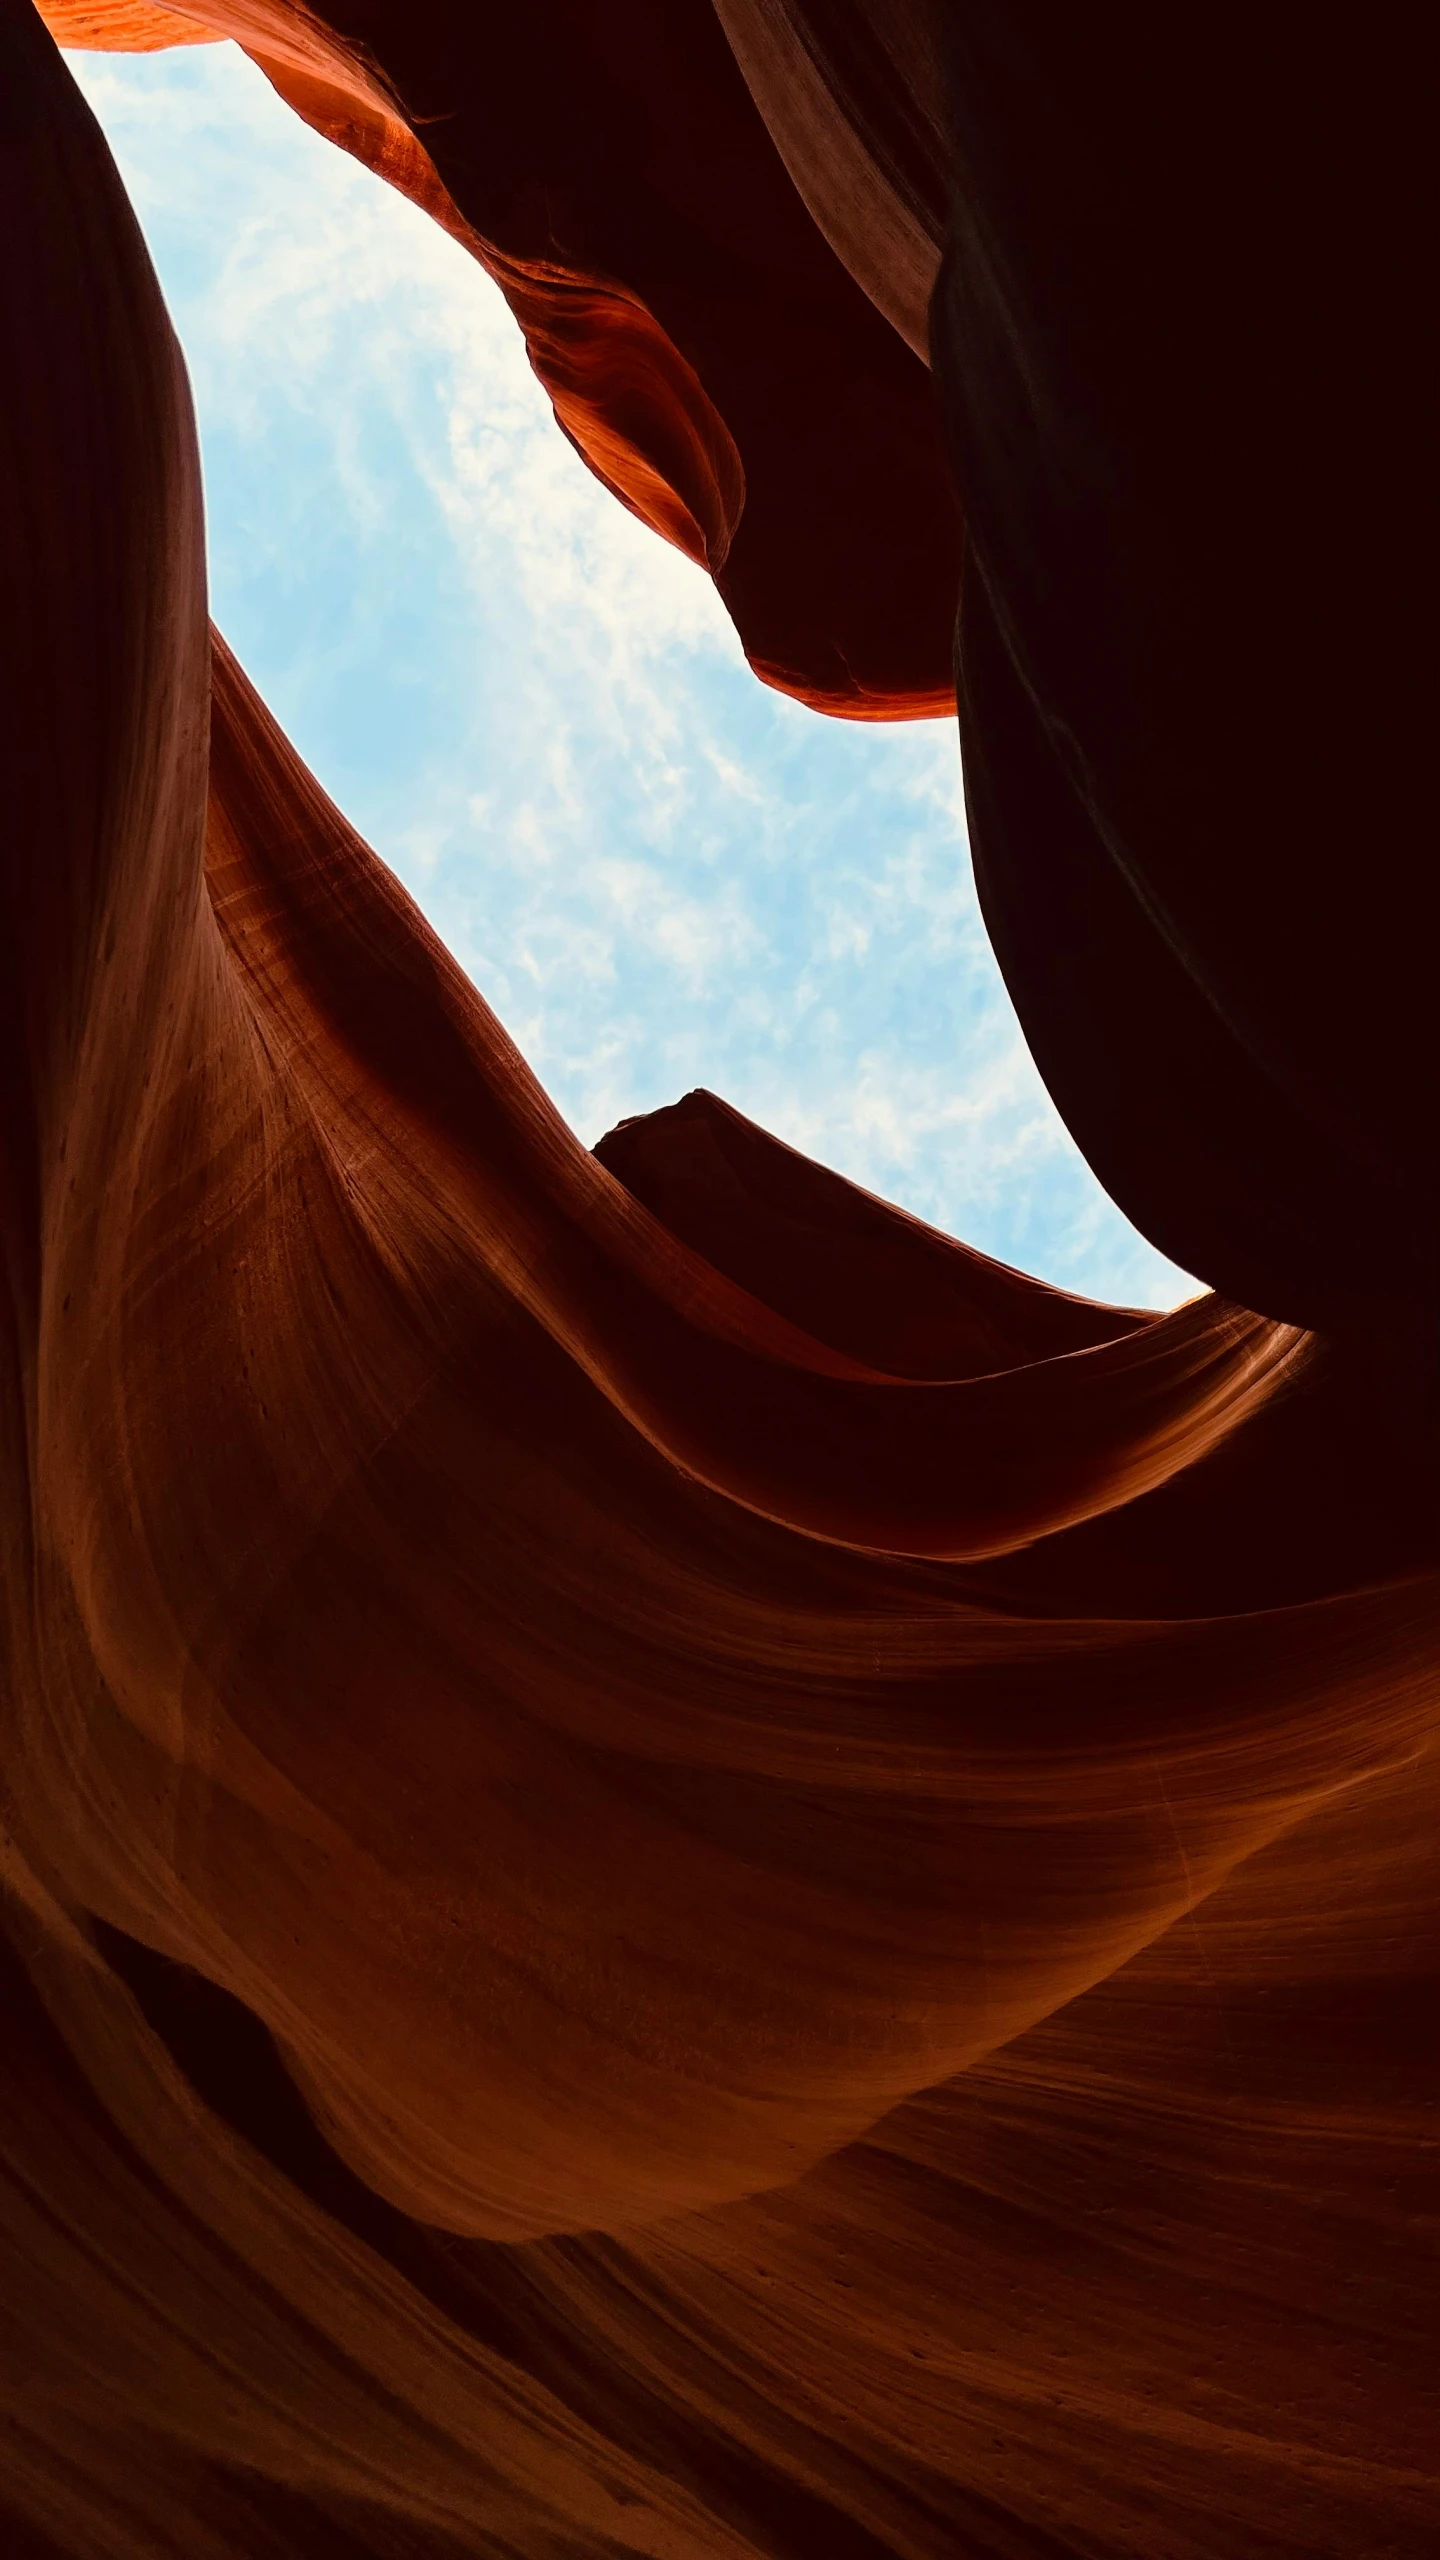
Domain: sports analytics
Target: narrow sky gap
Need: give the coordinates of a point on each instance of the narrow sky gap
(658, 872)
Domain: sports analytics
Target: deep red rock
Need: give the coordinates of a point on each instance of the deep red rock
(685, 1872)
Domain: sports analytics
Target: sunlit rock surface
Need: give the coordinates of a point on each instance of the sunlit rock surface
(686, 1872)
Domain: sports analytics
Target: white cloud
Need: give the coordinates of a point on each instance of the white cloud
(660, 874)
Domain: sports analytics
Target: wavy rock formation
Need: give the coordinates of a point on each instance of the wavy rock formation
(685, 1872)
(715, 363)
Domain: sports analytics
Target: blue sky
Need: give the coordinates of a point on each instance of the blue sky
(658, 872)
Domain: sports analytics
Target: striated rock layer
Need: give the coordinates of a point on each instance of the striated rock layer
(685, 1872)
